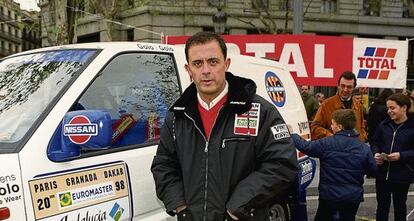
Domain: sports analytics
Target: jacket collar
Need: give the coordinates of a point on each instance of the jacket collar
(409, 122)
(240, 94)
(348, 133)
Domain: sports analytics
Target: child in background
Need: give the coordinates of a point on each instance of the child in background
(344, 160)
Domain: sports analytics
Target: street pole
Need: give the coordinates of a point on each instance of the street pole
(297, 16)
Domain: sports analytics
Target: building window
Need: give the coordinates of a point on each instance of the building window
(371, 7)
(130, 35)
(328, 6)
(286, 5)
(16, 48)
(2, 10)
(131, 3)
(406, 12)
(260, 4)
(10, 47)
(94, 37)
(2, 44)
(9, 13)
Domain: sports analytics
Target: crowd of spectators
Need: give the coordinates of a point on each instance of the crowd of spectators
(386, 128)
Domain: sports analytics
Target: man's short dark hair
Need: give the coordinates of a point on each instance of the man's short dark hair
(345, 117)
(203, 38)
(349, 76)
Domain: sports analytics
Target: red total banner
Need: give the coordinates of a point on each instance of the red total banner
(320, 60)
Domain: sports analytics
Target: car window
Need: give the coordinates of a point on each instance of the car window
(28, 85)
(138, 85)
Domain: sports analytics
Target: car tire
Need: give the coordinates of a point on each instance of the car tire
(280, 212)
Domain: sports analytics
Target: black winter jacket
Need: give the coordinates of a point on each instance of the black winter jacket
(390, 138)
(344, 161)
(377, 113)
(239, 173)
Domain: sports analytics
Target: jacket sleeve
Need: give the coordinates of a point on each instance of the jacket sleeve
(166, 171)
(371, 164)
(276, 164)
(407, 156)
(311, 148)
(376, 139)
(318, 124)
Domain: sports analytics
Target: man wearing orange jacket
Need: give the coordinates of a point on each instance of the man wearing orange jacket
(341, 100)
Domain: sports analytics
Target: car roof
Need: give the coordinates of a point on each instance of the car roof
(114, 46)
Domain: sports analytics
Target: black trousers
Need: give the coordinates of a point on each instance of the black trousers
(332, 210)
(385, 190)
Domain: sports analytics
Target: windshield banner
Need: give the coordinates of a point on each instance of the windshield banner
(320, 60)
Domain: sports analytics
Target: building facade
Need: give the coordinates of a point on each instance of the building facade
(31, 30)
(14, 23)
(10, 33)
(132, 20)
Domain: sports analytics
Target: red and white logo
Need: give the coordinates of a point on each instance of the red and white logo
(80, 129)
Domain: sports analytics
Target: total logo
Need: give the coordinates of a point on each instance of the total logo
(80, 129)
(376, 63)
(275, 89)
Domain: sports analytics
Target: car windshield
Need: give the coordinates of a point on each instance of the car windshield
(28, 83)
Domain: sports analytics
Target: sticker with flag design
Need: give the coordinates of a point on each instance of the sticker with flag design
(248, 123)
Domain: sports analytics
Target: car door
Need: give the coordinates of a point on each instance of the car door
(113, 183)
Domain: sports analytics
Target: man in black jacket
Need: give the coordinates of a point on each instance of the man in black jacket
(225, 153)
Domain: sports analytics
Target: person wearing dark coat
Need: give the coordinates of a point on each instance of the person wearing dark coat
(225, 153)
(344, 162)
(394, 145)
(377, 112)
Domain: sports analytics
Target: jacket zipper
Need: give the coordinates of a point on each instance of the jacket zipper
(206, 153)
(223, 143)
(392, 146)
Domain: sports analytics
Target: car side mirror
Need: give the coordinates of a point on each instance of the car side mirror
(81, 130)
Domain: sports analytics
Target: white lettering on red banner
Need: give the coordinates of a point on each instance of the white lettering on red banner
(320, 60)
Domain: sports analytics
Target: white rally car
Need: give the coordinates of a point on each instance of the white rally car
(80, 125)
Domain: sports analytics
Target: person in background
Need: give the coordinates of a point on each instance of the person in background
(320, 97)
(344, 162)
(394, 145)
(311, 105)
(343, 99)
(377, 112)
(209, 166)
(358, 96)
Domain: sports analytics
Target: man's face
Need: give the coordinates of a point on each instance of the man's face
(304, 91)
(321, 98)
(206, 67)
(345, 88)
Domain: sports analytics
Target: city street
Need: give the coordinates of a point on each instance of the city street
(367, 208)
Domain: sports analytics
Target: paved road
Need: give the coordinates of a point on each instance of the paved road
(367, 208)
